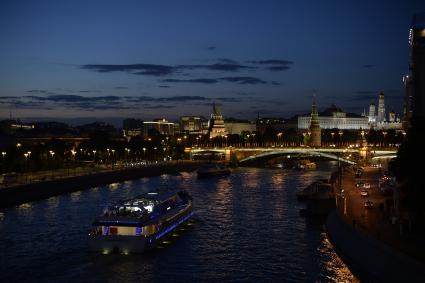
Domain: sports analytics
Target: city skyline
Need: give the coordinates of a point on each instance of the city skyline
(104, 60)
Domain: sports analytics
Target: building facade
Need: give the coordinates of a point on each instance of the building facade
(132, 127)
(335, 118)
(417, 65)
(193, 125)
(237, 127)
(381, 108)
(162, 126)
(407, 103)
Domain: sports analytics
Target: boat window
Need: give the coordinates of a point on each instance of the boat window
(113, 230)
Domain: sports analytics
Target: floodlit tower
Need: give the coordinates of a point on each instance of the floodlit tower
(217, 123)
(372, 117)
(315, 138)
(381, 108)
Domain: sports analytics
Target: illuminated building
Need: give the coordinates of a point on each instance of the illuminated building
(381, 108)
(407, 105)
(334, 118)
(315, 131)
(217, 127)
(417, 64)
(234, 126)
(193, 125)
(162, 126)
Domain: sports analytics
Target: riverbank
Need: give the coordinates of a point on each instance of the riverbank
(369, 259)
(19, 194)
(365, 239)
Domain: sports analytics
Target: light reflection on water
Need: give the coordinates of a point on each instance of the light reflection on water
(247, 228)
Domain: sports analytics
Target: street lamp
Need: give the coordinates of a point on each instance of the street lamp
(385, 134)
(278, 138)
(52, 153)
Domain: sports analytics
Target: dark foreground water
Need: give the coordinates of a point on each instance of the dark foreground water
(247, 228)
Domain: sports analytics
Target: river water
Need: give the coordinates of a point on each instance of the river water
(247, 227)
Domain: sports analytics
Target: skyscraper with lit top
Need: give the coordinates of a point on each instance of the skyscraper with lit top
(417, 64)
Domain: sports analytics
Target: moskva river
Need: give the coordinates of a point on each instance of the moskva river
(246, 227)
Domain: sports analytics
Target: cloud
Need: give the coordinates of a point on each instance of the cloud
(227, 61)
(8, 97)
(278, 68)
(159, 106)
(164, 86)
(226, 67)
(203, 81)
(368, 66)
(37, 91)
(228, 99)
(272, 62)
(244, 80)
(183, 98)
(275, 83)
(89, 103)
(211, 48)
(137, 69)
(76, 98)
(163, 70)
(120, 87)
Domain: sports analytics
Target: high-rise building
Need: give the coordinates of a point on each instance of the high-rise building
(315, 131)
(407, 105)
(381, 108)
(217, 127)
(417, 64)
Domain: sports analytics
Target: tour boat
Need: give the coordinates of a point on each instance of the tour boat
(213, 170)
(138, 224)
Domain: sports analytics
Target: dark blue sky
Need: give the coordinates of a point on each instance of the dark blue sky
(64, 59)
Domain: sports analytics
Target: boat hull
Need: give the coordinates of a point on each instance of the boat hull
(134, 244)
(117, 244)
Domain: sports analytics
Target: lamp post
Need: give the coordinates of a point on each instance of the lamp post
(52, 153)
(144, 153)
(73, 152)
(385, 134)
(113, 158)
(279, 135)
(26, 167)
(3, 155)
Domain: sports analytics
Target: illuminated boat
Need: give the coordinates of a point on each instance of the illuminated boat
(213, 170)
(138, 224)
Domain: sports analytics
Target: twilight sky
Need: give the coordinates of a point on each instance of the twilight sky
(105, 59)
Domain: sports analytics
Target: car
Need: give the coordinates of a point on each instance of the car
(359, 185)
(364, 193)
(368, 204)
(358, 173)
(366, 186)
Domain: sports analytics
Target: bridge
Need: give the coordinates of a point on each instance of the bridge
(250, 155)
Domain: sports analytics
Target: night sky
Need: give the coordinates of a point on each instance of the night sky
(104, 59)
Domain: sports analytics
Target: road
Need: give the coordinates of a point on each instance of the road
(374, 221)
